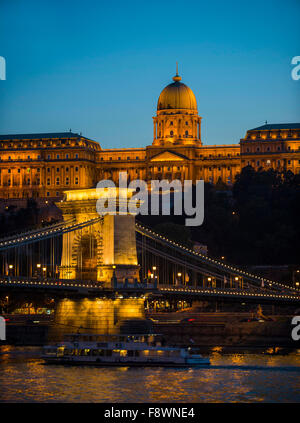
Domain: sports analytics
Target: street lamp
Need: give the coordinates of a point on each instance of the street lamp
(10, 269)
(154, 274)
(236, 279)
(179, 276)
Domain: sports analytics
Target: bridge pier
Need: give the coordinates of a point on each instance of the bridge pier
(104, 252)
(98, 316)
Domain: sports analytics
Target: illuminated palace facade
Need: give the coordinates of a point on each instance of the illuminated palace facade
(46, 164)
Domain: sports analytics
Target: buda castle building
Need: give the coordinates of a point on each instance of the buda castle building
(44, 165)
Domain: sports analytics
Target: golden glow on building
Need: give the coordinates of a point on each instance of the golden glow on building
(46, 164)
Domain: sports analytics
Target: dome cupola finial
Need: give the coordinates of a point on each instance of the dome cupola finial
(176, 78)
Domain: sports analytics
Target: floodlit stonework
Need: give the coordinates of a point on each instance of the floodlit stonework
(97, 316)
(44, 165)
(103, 251)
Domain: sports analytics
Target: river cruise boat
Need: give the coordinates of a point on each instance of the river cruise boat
(120, 350)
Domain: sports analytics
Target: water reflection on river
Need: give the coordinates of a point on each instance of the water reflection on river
(237, 377)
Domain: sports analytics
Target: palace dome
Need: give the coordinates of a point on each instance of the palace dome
(177, 96)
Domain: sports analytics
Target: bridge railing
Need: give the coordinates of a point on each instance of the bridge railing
(228, 292)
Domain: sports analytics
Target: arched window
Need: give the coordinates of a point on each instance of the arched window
(186, 133)
(171, 133)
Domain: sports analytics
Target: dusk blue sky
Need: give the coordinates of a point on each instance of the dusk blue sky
(98, 67)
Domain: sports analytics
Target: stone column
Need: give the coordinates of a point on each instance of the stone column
(119, 249)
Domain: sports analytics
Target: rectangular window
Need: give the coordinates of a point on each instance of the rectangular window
(57, 181)
(76, 156)
(76, 181)
(48, 181)
(57, 156)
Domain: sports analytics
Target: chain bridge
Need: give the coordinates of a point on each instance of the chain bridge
(88, 258)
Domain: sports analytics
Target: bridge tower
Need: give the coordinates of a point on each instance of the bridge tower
(103, 250)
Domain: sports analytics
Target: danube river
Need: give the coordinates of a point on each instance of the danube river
(237, 377)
